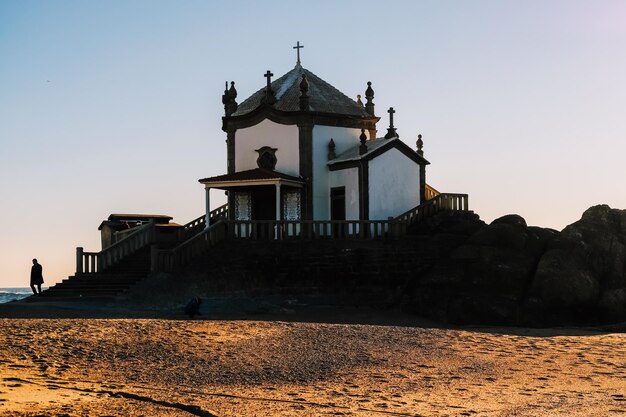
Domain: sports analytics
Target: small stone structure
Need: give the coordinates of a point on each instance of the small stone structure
(118, 226)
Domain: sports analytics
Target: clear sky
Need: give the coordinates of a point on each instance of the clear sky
(115, 106)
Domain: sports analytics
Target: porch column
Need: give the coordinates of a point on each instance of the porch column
(278, 201)
(207, 219)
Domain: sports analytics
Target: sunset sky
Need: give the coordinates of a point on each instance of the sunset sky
(115, 106)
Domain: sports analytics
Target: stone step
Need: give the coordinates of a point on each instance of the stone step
(112, 279)
(92, 286)
(109, 283)
(72, 297)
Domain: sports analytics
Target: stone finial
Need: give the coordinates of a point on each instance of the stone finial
(228, 99)
(358, 100)
(232, 92)
(420, 144)
(369, 96)
(331, 150)
(225, 97)
(363, 146)
(269, 94)
(391, 131)
(304, 98)
(232, 95)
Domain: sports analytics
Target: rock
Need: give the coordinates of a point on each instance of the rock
(501, 271)
(582, 275)
(600, 238)
(512, 220)
(450, 222)
(472, 308)
(544, 234)
(499, 259)
(449, 275)
(564, 283)
(612, 305)
(500, 235)
(484, 280)
(509, 273)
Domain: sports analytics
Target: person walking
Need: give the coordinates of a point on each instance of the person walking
(36, 277)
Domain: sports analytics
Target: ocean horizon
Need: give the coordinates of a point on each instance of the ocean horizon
(13, 294)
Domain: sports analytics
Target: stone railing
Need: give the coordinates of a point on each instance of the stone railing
(270, 230)
(198, 239)
(274, 230)
(92, 262)
(311, 229)
(195, 226)
(455, 202)
(168, 260)
(86, 262)
(430, 192)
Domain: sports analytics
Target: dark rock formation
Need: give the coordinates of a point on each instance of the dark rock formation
(582, 275)
(509, 273)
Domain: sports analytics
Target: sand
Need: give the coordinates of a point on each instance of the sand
(178, 367)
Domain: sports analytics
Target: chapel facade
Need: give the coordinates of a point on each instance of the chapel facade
(300, 149)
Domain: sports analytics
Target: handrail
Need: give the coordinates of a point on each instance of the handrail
(86, 262)
(91, 262)
(168, 260)
(444, 201)
(138, 238)
(430, 192)
(191, 228)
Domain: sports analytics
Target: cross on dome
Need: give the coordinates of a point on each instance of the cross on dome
(297, 48)
(269, 94)
(269, 76)
(391, 132)
(391, 111)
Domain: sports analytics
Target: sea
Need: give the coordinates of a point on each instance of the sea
(12, 294)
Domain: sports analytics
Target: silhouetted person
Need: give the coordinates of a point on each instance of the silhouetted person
(193, 307)
(36, 277)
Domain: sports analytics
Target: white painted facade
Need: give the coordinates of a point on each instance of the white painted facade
(348, 178)
(268, 133)
(394, 185)
(394, 178)
(344, 138)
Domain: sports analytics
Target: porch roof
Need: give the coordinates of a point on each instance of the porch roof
(252, 177)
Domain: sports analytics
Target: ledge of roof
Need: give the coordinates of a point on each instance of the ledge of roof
(256, 174)
(376, 147)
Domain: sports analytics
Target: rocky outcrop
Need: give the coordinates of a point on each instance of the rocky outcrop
(509, 273)
(582, 274)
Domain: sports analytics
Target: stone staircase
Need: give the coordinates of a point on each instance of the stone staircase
(368, 260)
(102, 285)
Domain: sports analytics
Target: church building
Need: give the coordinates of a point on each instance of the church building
(300, 149)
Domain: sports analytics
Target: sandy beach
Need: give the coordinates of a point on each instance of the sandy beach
(269, 367)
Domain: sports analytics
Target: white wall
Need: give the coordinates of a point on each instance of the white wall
(267, 133)
(348, 178)
(344, 139)
(394, 185)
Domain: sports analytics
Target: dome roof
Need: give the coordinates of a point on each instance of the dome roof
(324, 98)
